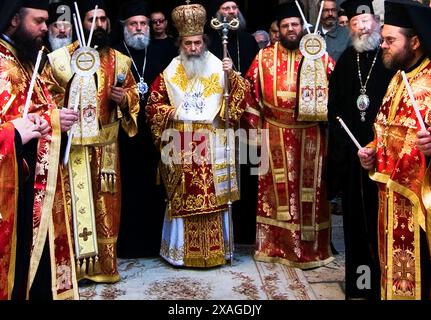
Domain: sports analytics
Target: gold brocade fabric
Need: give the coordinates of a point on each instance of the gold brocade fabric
(313, 91)
(293, 220)
(8, 208)
(103, 170)
(204, 242)
(49, 210)
(403, 184)
(184, 117)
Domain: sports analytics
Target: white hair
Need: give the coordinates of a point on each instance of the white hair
(194, 65)
(57, 43)
(137, 41)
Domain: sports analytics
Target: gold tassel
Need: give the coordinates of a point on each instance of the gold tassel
(90, 266)
(114, 182)
(96, 265)
(108, 183)
(78, 269)
(103, 187)
(84, 267)
(183, 183)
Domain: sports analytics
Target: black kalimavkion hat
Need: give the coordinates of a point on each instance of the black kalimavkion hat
(357, 7)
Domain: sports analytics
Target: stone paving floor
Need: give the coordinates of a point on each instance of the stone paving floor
(328, 282)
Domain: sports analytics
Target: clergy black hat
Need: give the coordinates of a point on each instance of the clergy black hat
(215, 5)
(35, 4)
(135, 8)
(397, 13)
(357, 7)
(59, 11)
(288, 10)
(413, 15)
(7, 10)
(85, 6)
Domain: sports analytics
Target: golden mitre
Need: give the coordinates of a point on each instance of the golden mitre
(189, 19)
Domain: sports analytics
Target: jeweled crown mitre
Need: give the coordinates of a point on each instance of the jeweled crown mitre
(189, 19)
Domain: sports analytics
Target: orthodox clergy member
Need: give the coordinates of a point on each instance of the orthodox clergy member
(60, 28)
(293, 224)
(356, 90)
(186, 104)
(36, 248)
(398, 157)
(141, 226)
(108, 99)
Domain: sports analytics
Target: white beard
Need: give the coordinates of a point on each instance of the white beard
(137, 41)
(194, 65)
(368, 42)
(57, 43)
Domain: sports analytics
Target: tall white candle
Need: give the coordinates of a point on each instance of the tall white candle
(316, 27)
(78, 33)
(302, 15)
(414, 103)
(349, 133)
(71, 131)
(92, 26)
(32, 83)
(81, 29)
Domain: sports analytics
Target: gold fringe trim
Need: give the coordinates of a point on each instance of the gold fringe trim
(87, 267)
(108, 182)
(205, 262)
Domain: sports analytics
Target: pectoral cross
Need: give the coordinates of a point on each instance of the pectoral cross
(85, 233)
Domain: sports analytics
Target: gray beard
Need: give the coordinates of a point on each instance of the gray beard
(137, 41)
(57, 43)
(367, 43)
(194, 65)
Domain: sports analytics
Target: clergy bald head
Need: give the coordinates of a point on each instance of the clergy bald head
(135, 19)
(364, 26)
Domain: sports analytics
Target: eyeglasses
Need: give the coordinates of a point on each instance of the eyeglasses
(389, 40)
(158, 21)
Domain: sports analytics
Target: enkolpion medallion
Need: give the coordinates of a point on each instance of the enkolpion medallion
(363, 102)
(312, 46)
(142, 87)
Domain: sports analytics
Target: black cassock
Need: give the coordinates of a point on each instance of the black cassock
(244, 210)
(143, 199)
(359, 192)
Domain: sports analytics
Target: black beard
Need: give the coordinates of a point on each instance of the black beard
(290, 45)
(400, 61)
(27, 47)
(100, 38)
